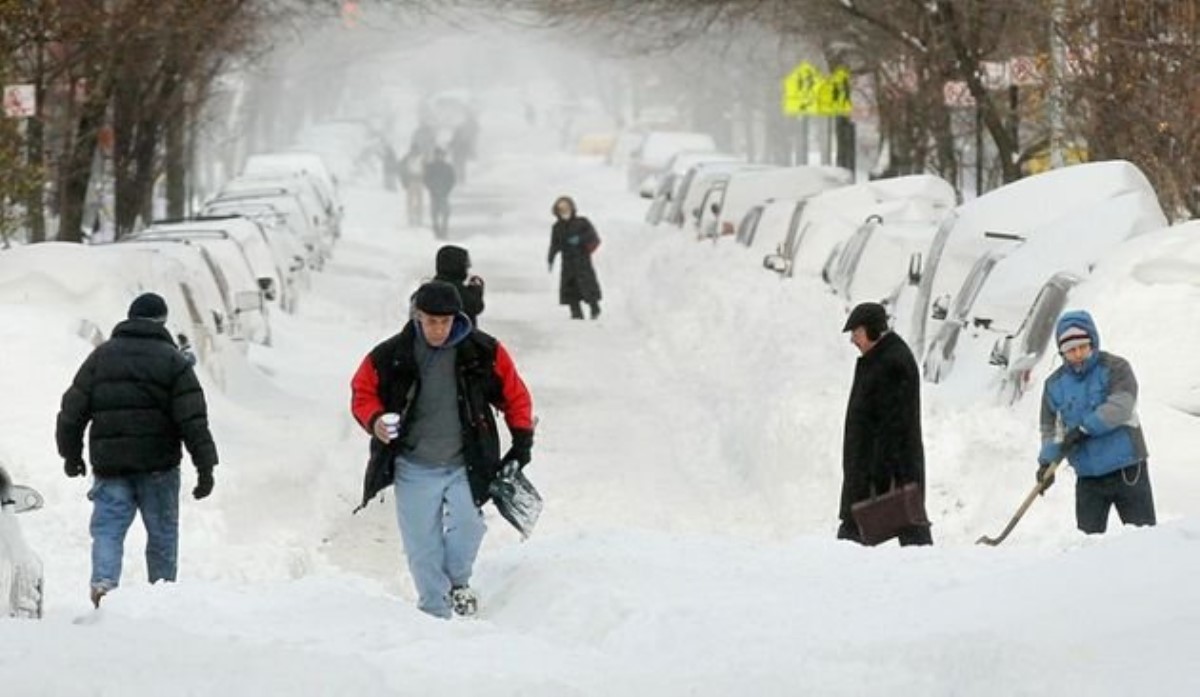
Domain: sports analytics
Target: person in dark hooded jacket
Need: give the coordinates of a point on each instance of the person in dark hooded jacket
(453, 265)
(882, 444)
(1089, 414)
(574, 237)
(140, 395)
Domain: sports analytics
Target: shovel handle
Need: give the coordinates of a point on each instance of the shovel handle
(1033, 494)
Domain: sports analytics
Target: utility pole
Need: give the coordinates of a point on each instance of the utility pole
(1058, 76)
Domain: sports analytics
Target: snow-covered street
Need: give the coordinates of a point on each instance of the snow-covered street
(689, 451)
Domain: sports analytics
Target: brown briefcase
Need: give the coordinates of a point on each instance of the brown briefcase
(882, 517)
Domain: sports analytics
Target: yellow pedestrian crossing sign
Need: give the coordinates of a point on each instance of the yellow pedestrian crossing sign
(807, 92)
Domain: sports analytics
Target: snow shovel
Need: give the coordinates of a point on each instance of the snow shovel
(517, 501)
(1037, 489)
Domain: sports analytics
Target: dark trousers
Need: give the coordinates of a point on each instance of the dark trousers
(439, 211)
(1127, 489)
(915, 536)
(577, 309)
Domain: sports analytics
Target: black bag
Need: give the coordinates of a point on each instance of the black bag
(517, 501)
(882, 517)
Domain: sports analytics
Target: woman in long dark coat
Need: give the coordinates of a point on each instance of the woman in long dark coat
(574, 237)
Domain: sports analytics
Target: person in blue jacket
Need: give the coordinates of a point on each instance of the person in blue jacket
(1089, 415)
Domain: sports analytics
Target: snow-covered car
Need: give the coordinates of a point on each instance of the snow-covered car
(1143, 297)
(21, 579)
(765, 220)
(273, 273)
(1001, 286)
(1002, 218)
(290, 212)
(873, 265)
(247, 291)
(305, 164)
(684, 210)
(660, 198)
(96, 283)
(320, 209)
(1015, 355)
(747, 189)
(655, 151)
(812, 243)
(671, 183)
(211, 288)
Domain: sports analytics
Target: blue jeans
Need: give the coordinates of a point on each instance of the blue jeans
(115, 500)
(441, 529)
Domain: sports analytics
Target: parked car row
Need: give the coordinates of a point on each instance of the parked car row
(975, 289)
(223, 273)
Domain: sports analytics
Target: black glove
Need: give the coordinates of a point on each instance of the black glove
(522, 444)
(75, 467)
(204, 483)
(1072, 438)
(1041, 474)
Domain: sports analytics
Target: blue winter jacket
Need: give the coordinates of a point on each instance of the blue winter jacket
(1100, 398)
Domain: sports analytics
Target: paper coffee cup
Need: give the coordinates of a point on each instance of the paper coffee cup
(391, 422)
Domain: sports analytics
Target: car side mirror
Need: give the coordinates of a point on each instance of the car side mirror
(941, 307)
(267, 286)
(999, 355)
(916, 264)
(715, 208)
(20, 499)
(776, 263)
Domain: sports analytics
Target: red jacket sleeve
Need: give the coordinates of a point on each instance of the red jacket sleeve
(364, 394)
(517, 405)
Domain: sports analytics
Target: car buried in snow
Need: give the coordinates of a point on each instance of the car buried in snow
(21, 573)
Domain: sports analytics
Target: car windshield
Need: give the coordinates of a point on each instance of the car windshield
(973, 284)
(1041, 318)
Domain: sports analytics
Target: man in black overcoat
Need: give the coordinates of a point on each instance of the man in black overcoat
(882, 443)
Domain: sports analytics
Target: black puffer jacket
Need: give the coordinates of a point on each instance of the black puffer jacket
(142, 398)
(882, 441)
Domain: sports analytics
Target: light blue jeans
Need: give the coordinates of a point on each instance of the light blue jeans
(115, 500)
(441, 529)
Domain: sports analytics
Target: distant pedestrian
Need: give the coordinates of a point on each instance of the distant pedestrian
(574, 237)
(439, 180)
(390, 166)
(140, 395)
(882, 445)
(1089, 414)
(453, 266)
(412, 171)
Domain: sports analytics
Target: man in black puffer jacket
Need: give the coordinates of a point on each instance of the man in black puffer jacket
(142, 398)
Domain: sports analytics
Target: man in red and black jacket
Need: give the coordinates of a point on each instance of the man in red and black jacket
(426, 397)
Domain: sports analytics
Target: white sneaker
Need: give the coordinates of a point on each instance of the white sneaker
(463, 601)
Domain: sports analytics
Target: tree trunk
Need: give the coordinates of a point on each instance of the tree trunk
(77, 174)
(967, 61)
(125, 130)
(177, 163)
